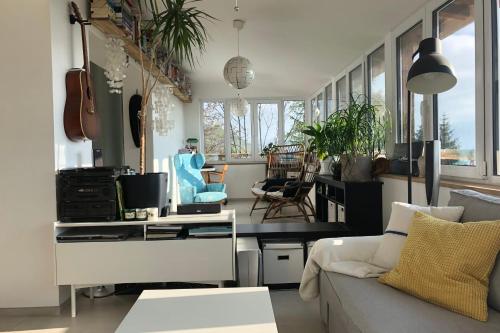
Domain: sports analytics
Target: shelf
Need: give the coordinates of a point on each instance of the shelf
(107, 27)
(225, 216)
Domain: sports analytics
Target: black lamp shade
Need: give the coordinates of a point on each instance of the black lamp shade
(431, 73)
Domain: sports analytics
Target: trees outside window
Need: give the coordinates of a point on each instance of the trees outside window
(294, 113)
(213, 130)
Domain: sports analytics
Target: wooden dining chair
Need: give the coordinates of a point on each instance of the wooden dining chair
(217, 176)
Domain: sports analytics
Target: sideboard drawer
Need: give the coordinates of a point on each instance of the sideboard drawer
(144, 261)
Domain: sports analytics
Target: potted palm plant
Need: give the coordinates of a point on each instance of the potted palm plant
(175, 27)
(363, 134)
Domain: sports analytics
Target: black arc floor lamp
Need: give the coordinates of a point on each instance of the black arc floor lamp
(431, 74)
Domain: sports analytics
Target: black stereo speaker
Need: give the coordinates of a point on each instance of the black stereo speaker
(199, 208)
(87, 194)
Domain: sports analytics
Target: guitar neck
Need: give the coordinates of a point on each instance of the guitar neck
(85, 52)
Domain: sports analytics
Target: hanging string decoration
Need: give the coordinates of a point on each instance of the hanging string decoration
(116, 64)
(163, 107)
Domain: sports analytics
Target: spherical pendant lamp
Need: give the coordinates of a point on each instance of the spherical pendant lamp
(239, 107)
(238, 71)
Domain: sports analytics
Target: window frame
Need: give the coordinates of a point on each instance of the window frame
(492, 97)
(368, 88)
(255, 159)
(340, 76)
(479, 171)
(351, 68)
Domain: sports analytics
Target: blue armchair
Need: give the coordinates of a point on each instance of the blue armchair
(192, 186)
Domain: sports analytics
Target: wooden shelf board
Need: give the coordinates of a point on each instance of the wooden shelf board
(107, 27)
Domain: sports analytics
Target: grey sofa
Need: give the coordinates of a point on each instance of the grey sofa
(349, 304)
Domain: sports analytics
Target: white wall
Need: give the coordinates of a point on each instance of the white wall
(66, 53)
(397, 190)
(160, 149)
(32, 93)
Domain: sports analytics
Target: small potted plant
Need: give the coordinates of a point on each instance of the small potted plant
(191, 142)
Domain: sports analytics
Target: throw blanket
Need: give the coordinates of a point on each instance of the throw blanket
(349, 255)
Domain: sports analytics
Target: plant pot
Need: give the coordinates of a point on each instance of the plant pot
(336, 168)
(356, 169)
(325, 166)
(145, 191)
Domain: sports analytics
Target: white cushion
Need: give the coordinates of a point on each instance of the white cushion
(389, 250)
(260, 193)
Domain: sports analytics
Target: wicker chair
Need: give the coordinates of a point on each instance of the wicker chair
(294, 193)
(283, 164)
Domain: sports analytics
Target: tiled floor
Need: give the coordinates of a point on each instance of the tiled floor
(243, 207)
(104, 315)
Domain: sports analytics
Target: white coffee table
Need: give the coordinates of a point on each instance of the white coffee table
(235, 310)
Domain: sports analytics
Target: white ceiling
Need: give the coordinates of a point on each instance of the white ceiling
(295, 45)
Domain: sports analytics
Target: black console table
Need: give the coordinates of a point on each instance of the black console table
(357, 204)
(297, 231)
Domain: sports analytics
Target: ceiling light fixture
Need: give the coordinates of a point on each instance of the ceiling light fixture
(238, 71)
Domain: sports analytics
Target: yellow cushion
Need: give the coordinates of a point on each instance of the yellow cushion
(448, 264)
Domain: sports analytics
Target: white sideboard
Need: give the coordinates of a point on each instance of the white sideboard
(137, 260)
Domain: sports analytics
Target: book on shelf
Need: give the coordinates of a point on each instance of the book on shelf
(215, 231)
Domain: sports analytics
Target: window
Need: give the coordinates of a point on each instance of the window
(376, 78)
(329, 100)
(356, 83)
(320, 108)
(406, 45)
(294, 112)
(267, 120)
(213, 130)
(341, 90)
(456, 108)
(313, 110)
(240, 136)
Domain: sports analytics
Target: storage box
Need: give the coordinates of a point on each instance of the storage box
(283, 262)
(249, 262)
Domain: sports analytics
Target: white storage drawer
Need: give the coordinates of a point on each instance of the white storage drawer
(283, 262)
(144, 261)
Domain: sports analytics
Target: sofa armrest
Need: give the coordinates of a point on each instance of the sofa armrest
(346, 255)
(216, 187)
(360, 248)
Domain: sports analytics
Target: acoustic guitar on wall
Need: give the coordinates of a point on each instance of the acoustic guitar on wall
(80, 118)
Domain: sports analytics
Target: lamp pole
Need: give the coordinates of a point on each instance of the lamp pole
(409, 146)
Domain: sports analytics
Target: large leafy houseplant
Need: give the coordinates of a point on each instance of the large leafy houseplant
(363, 128)
(177, 28)
(355, 133)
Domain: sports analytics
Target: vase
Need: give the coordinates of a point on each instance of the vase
(325, 166)
(356, 168)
